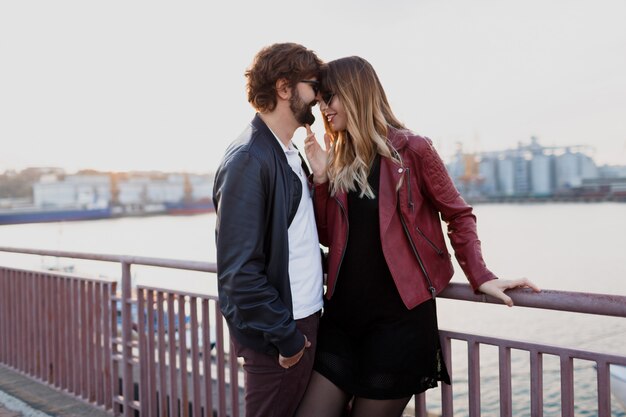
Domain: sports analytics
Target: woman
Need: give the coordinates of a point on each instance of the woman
(379, 193)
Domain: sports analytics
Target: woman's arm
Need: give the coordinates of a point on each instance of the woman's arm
(462, 232)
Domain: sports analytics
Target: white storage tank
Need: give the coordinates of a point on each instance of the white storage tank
(588, 168)
(567, 171)
(488, 171)
(506, 177)
(541, 175)
(522, 176)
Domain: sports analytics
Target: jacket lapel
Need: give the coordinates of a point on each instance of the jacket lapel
(390, 175)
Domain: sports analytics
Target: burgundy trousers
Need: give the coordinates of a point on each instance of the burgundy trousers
(271, 390)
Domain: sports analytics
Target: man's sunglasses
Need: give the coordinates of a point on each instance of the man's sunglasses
(315, 85)
(327, 96)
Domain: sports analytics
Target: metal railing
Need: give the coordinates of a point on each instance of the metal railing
(57, 329)
(151, 351)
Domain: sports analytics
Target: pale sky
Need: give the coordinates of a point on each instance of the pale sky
(125, 85)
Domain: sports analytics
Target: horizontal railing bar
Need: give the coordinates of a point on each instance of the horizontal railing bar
(58, 274)
(602, 304)
(575, 302)
(178, 292)
(136, 260)
(536, 347)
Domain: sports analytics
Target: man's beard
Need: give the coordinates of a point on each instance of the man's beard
(302, 111)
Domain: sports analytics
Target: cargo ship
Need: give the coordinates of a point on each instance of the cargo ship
(201, 206)
(42, 215)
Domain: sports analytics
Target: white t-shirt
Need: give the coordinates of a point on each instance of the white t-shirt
(305, 261)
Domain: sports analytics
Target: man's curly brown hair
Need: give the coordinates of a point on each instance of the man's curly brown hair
(289, 61)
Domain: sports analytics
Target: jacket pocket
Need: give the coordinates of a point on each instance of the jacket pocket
(430, 242)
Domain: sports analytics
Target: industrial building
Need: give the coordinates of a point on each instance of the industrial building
(128, 191)
(531, 171)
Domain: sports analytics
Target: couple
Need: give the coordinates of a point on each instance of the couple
(374, 198)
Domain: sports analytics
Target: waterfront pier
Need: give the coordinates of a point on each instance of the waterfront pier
(139, 350)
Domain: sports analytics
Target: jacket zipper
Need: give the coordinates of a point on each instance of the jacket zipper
(343, 251)
(430, 242)
(408, 180)
(417, 256)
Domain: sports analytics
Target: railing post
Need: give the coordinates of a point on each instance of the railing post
(506, 393)
(604, 389)
(143, 354)
(447, 408)
(567, 386)
(127, 349)
(536, 383)
(473, 364)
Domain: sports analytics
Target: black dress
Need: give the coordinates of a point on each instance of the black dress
(369, 344)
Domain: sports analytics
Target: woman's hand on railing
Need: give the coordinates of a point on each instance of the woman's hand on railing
(496, 288)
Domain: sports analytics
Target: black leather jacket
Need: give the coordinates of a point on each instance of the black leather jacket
(256, 196)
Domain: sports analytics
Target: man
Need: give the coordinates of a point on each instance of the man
(268, 255)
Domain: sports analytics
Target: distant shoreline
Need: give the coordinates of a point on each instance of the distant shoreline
(533, 200)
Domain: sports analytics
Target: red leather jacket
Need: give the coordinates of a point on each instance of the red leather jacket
(412, 195)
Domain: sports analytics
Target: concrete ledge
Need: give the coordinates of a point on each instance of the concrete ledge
(43, 398)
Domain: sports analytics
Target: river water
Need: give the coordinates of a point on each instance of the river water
(569, 247)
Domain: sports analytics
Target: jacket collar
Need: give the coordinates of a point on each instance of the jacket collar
(398, 138)
(263, 128)
(259, 125)
(391, 173)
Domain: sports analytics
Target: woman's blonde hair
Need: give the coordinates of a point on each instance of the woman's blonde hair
(354, 81)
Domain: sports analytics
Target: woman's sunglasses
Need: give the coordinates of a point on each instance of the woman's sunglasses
(327, 97)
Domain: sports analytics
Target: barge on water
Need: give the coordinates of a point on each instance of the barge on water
(58, 214)
(42, 215)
